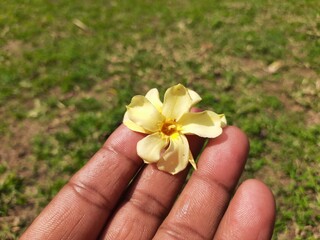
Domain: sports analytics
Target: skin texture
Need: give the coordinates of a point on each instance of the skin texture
(115, 196)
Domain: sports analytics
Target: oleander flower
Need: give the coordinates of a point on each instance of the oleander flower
(167, 125)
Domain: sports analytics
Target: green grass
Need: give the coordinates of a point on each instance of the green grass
(64, 87)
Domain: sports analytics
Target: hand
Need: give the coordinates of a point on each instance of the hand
(100, 201)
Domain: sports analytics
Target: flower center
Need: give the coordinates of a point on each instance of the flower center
(169, 127)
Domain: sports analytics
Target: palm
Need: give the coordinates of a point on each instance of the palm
(97, 203)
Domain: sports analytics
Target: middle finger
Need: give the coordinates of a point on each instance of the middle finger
(147, 202)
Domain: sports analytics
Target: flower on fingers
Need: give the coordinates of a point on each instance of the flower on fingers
(167, 125)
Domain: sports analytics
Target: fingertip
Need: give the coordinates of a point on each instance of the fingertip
(232, 140)
(251, 213)
(256, 193)
(238, 136)
(224, 157)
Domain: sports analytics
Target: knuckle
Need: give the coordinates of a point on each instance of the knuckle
(182, 231)
(89, 194)
(148, 204)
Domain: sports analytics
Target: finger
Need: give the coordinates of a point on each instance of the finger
(250, 215)
(81, 208)
(145, 205)
(202, 203)
(148, 202)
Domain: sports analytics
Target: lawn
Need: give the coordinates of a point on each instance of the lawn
(68, 68)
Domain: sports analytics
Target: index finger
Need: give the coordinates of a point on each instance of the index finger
(83, 205)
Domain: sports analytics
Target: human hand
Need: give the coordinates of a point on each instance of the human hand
(101, 202)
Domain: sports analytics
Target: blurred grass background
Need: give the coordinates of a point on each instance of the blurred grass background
(68, 68)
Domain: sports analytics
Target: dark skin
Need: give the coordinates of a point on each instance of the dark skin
(98, 204)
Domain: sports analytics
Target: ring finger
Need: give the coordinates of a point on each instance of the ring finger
(202, 203)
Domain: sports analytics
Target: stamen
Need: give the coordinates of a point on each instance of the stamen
(169, 127)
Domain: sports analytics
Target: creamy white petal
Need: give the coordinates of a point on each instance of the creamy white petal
(141, 112)
(150, 147)
(194, 96)
(223, 120)
(218, 118)
(204, 124)
(176, 157)
(153, 96)
(131, 125)
(191, 161)
(177, 101)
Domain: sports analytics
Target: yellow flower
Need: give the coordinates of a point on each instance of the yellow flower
(167, 124)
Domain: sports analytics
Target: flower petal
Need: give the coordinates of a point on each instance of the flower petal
(153, 96)
(194, 96)
(204, 124)
(175, 158)
(141, 112)
(177, 101)
(150, 147)
(223, 120)
(191, 161)
(132, 126)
